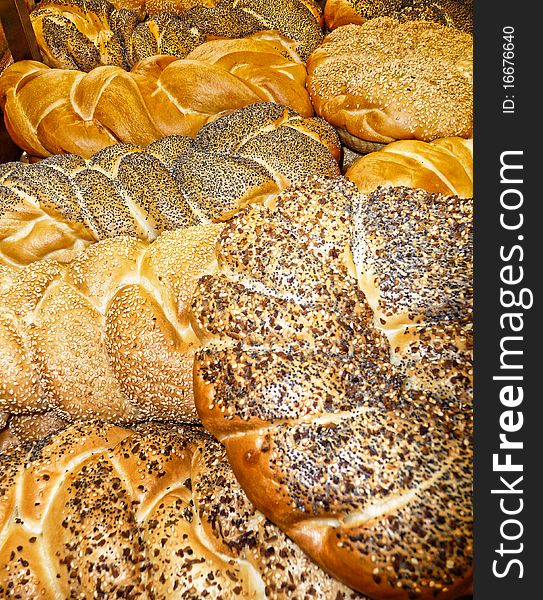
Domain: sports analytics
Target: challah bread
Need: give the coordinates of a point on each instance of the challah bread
(328, 429)
(107, 336)
(444, 166)
(385, 81)
(53, 111)
(453, 13)
(180, 7)
(85, 34)
(151, 512)
(57, 207)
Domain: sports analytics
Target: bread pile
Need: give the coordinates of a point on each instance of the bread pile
(57, 207)
(53, 111)
(280, 359)
(151, 512)
(385, 80)
(345, 409)
(84, 34)
(453, 13)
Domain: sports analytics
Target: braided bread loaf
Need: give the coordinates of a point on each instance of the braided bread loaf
(57, 207)
(107, 336)
(346, 415)
(385, 81)
(148, 513)
(53, 111)
(453, 13)
(444, 166)
(84, 34)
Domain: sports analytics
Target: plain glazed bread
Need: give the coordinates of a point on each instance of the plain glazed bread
(328, 429)
(107, 336)
(444, 166)
(152, 512)
(84, 34)
(385, 81)
(453, 13)
(57, 207)
(53, 111)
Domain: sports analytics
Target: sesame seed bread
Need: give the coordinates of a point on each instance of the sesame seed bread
(444, 166)
(151, 512)
(84, 34)
(106, 336)
(58, 206)
(53, 111)
(453, 13)
(385, 81)
(338, 377)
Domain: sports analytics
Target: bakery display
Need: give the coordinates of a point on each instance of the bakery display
(453, 13)
(57, 207)
(152, 512)
(336, 370)
(384, 81)
(83, 34)
(107, 336)
(444, 166)
(280, 359)
(53, 111)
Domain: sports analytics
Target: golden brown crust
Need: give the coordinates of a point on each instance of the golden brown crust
(151, 511)
(27, 428)
(53, 111)
(57, 207)
(443, 166)
(384, 81)
(107, 336)
(453, 13)
(84, 34)
(331, 425)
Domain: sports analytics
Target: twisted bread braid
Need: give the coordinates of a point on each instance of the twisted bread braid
(107, 336)
(53, 111)
(57, 207)
(333, 431)
(84, 34)
(444, 166)
(385, 81)
(453, 13)
(153, 512)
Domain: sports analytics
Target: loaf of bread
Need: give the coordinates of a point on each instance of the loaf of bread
(444, 166)
(179, 7)
(311, 382)
(84, 34)
(453, 13)
(57, 207)
(107, 336)
(53, 111)
(152, 512)
(385, 81)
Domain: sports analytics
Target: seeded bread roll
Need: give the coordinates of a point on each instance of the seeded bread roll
(385, 81)
(57, 207)
(84, 34)
(331, 430)
(453, 13)
(107, 336)
(53, 111)
(444, 166)
(154, 512)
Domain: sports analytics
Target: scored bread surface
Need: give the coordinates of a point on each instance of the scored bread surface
(360, 456)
